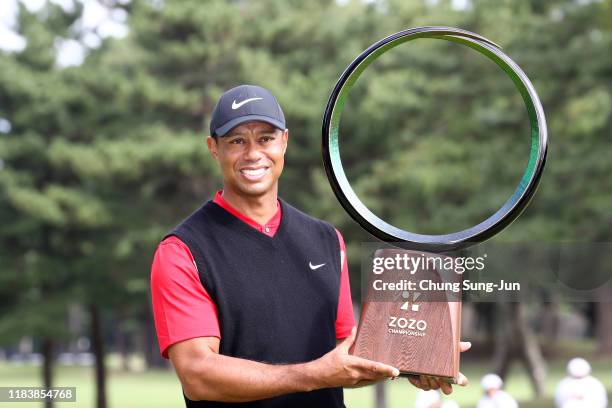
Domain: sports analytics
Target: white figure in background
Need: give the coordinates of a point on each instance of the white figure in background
(580, 389)
(495, 397)
(428, 399)
(432, 399)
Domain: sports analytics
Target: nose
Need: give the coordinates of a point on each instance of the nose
(252, 152)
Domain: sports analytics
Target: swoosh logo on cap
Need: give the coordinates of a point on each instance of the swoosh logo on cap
(239, 104)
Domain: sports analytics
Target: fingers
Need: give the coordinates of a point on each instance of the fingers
(426, 382)
(373, 370)
(464, 346)
(381, 370)
(348, 342)
(414, 380)
(423, 383)
(462, 380)
(388, 370)
(364, 372)
(446, 388)
(434, 383)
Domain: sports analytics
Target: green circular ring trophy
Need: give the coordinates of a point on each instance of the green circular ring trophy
(424, 338)
(456, 240)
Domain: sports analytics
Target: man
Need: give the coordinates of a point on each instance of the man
(251, 296)
(495, 397)
(580, 389)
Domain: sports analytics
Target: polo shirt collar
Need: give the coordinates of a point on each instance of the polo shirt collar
(268, 228)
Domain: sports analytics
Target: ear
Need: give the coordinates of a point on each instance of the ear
(285, 139)
(211, 142)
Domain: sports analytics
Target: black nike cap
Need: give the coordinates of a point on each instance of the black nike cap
(245, 103)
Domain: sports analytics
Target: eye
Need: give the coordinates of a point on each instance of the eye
(237, 140)
(267, 138)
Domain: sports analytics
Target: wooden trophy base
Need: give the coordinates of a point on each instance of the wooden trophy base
(418, 332)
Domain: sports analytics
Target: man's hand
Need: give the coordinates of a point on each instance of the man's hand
(340, 369)
(207, 375)
(427, 383)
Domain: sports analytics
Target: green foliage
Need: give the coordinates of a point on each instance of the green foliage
(102, 159)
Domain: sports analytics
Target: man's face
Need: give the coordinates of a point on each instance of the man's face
(251, 157)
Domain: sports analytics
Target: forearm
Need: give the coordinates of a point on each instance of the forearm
(207, 375)
(228, 379)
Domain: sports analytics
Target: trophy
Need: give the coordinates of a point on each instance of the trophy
(421, 336)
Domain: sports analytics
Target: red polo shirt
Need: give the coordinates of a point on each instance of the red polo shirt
(183, 309)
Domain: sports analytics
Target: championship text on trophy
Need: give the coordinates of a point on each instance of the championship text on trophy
(418, 332)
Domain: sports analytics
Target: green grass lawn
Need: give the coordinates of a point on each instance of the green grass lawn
(160, 388)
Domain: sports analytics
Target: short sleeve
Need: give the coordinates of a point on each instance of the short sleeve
(182, 309)
(345, 319)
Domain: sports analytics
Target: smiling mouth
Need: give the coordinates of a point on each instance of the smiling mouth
(254, 173)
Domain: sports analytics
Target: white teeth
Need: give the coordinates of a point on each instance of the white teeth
(253, 172)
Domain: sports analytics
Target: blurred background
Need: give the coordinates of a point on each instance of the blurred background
(104, 109)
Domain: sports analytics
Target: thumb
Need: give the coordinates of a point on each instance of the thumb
(348, 342)
(462, 380)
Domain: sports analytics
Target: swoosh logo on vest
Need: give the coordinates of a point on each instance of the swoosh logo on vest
(314, 267)
(239, 104)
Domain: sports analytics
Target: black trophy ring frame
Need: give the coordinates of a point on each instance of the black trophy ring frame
(509, 211)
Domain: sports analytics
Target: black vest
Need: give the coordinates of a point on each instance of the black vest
(272, 306)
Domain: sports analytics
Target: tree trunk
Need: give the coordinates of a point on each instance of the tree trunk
(47, 351)
(514, 334)
(153, 358)
(550, 320)
(380, 395)
(604, 327)
(121, 341)
(502, 354)
(486, 319)
(530, 349)
(98, 349)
